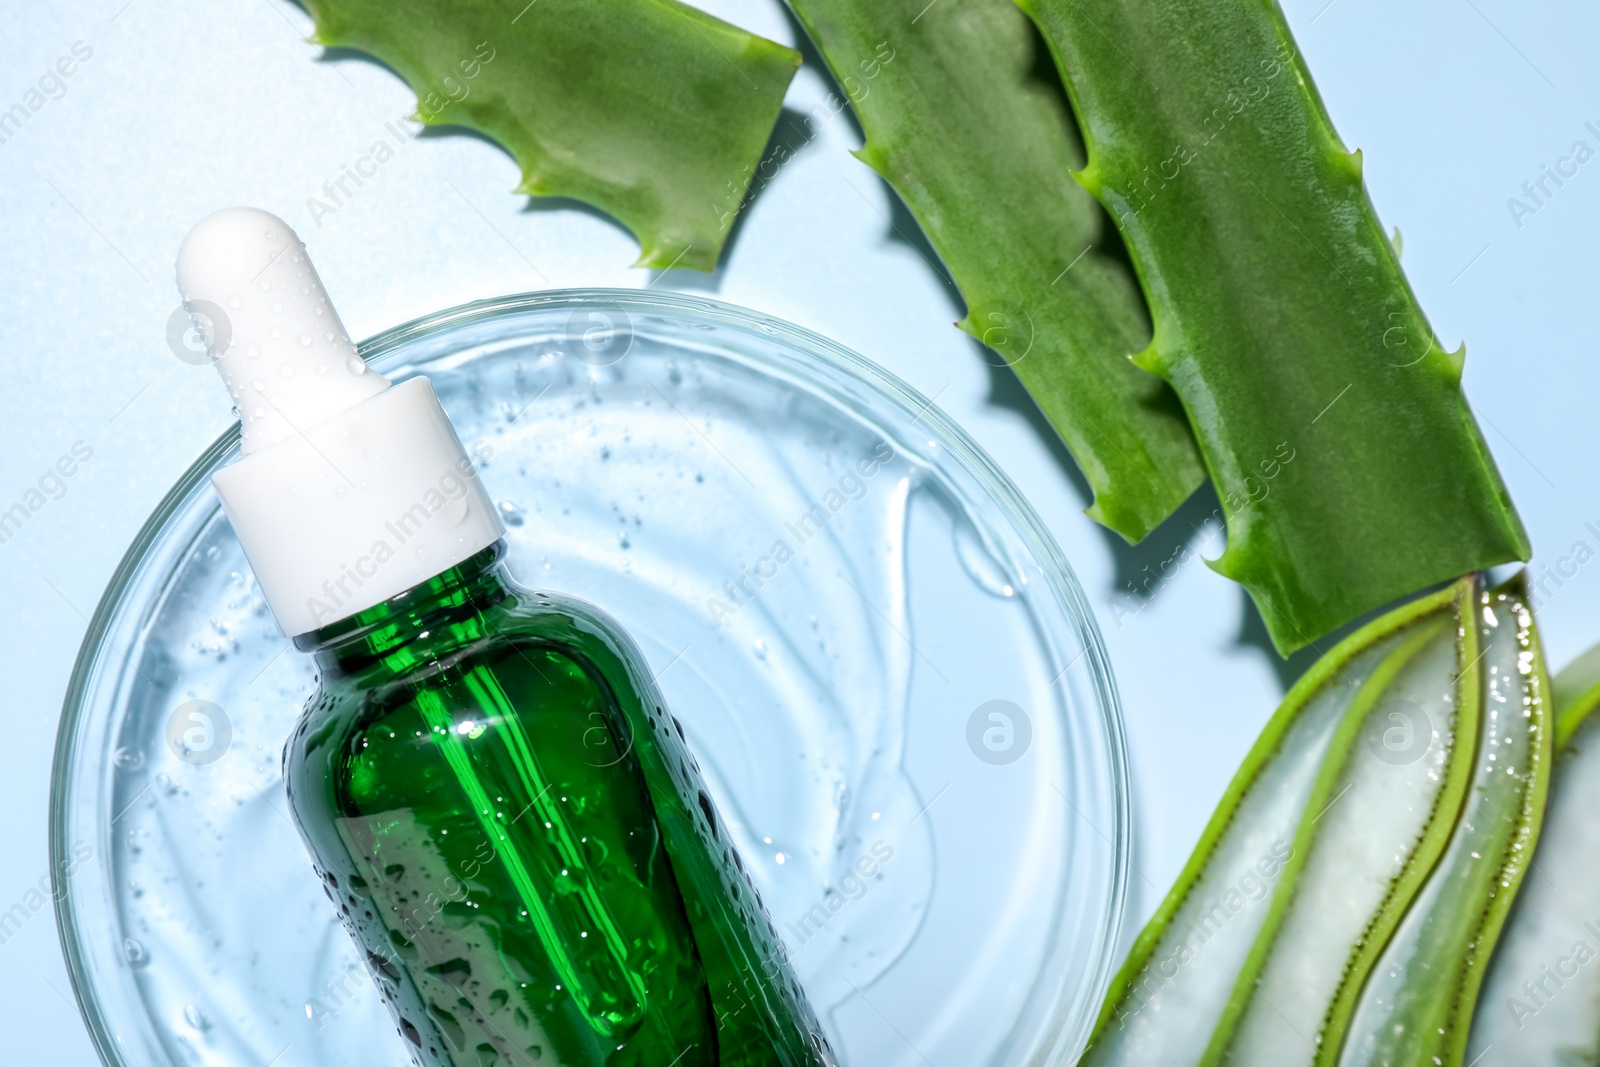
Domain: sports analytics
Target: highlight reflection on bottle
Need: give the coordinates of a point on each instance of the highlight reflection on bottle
(488, 782)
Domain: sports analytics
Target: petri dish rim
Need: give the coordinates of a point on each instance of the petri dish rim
(1057, 572)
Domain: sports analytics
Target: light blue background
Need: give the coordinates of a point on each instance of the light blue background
(186, 107)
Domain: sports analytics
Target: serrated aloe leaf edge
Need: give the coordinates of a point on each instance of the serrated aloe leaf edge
(649, 110)
(979, 149)
(1281, 316)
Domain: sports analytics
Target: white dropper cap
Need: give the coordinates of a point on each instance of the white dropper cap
(349, 491)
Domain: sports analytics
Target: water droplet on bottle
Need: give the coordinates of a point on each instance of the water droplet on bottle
(356, 366)
(236, 301)
(213, 553)
(128, 759)
(305, 340)
(760, 648)
(277, 307)
(134, 953)
(195, 1017)
(252, 351)
(276, 331)
(263, 285)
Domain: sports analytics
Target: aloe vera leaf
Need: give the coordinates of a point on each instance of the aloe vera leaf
(1576, 688)
(1400, 786)
(1417, 1007)
(1281, 316)
(650, 110)
(1179, 986)
(1540, 1002)
(979, 149)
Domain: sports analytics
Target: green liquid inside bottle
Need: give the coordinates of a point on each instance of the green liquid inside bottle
(514, 831)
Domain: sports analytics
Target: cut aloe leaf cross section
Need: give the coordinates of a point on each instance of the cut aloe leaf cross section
(1343, 901)
(1539, 1000)
(1417, 1007)
(1323, 835)
(651, 110)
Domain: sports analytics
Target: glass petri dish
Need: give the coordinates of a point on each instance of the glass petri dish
(884, 664)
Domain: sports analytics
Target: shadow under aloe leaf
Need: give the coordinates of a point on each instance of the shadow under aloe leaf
(1140, 571)
(1253, 634)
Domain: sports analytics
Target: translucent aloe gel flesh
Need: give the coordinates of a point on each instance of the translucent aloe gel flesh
(487, 779)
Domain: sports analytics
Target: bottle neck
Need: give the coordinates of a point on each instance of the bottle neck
(421, 624)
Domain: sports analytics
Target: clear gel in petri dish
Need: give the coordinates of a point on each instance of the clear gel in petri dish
(885, 667)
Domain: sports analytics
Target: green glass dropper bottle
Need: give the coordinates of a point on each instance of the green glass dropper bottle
(487, 779)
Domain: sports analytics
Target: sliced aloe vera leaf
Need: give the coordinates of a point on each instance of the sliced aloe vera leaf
(1281, 316)
(1417, 1006)
(1407, 756)
(979, 148)
(1179, 987)
(1540, 1002)
(651, 110)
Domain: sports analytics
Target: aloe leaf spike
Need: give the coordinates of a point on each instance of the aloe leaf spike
(651, 110)
(979, 147)
(1281, 316)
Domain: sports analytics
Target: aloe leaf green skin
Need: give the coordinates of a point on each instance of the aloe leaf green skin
(650, 110)
(1281, 317)
(1417, 1007)
(1322, 839)
(979, 147)
(1537, 1004)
